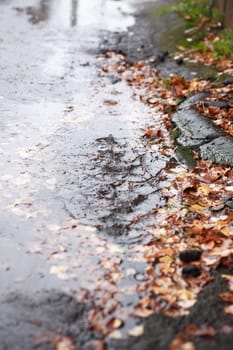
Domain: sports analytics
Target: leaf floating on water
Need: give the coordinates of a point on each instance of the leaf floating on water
(110, 103)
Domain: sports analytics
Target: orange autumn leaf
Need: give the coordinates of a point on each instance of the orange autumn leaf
(201, 331)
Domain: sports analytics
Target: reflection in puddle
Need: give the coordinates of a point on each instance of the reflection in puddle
(97, 14)
(39, 13)
(74, 13)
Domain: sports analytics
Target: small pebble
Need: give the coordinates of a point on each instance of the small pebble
(190, 255)
(179, 61)
(191, 271)
(140, 277)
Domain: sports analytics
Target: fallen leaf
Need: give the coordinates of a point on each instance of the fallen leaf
(179, 344)
(136, 331)
(196, 207)
(115, 335)
(229, 309)
(110, 102)
(115, 323)
(227, 297)
(200, 331)
(143, 312)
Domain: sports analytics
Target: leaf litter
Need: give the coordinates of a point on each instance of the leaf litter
(191, 235)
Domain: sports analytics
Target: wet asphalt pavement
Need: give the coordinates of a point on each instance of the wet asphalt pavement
(67, 157)
(75, 170)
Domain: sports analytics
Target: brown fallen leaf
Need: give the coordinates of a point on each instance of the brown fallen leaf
(180, 344)
(228, 297)
(200, 331)
(63, 343)
(110, 103)
(143, 312)
(115, 323)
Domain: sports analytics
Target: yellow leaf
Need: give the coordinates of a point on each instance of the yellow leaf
(166, 259)
(196, 207)
(181, 48)
(203, 189)
(225, 231)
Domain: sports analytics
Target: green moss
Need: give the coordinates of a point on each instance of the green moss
(175, 133)
(194, 10)
(186, 154)
(224, 46)
(164, 10)
(200, 18)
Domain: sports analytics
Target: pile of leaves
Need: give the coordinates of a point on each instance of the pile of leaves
(219, 106)
(191, 235)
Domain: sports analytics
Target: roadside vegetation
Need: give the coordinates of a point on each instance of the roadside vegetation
(206, 40)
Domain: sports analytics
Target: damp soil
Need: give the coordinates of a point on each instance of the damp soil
(77, 170)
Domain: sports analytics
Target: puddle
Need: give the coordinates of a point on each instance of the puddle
(76, 171)
(68, 152)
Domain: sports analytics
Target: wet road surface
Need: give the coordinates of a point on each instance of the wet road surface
(74, 172)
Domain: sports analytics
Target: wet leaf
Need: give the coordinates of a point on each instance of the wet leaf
(201, 331)
(143, 312)
(228, 297)
(63, 343)
(166, 259)
(196, 207)
(115, 335)
(115, 323)
(229, 309)
(110, 102)
(136, 331)
(179, 344)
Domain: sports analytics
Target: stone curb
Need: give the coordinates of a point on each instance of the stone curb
(200, 134)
